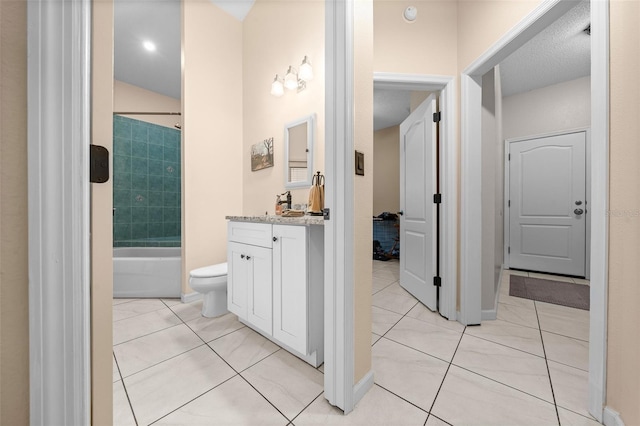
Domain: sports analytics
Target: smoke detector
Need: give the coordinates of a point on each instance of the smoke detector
(410, 14)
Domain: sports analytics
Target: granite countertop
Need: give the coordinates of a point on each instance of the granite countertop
(303, 220)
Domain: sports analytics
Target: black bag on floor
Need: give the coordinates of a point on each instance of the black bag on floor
(378, 253)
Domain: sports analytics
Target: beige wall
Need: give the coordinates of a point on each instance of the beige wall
(276, 35)
(498, 217)
(386, 170)
(129, 98)
(363, 185)
(623, 372)
(14, 297)
(212, 132)
(426, 46)
(482, 23)
(102, 219)
(492, 194)
(563, 106)
(417, 97)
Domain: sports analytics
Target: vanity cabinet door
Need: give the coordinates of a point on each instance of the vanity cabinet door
(259, 306)
(249, 287)
(237, 279)
(290, 286)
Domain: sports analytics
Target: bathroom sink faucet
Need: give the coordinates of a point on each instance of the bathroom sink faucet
(288, 194)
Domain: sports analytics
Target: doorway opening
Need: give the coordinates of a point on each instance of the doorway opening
(416, 90)
(471, 172)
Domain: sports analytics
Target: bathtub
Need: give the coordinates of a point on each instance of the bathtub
(146, 272)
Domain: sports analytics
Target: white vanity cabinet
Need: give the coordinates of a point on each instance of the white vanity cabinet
(276, 283)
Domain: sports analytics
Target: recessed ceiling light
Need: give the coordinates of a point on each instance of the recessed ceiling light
(149, 45)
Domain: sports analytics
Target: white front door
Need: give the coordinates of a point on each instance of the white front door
(547, 204)
(417, 187)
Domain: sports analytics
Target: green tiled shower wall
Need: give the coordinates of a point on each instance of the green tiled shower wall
(146, 184)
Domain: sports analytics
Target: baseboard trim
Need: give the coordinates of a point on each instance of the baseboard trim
(492, 314)
(190, 297)
(611, 417)
(489, 314)
(362, 387)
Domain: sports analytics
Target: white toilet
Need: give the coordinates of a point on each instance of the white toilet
(211, 281)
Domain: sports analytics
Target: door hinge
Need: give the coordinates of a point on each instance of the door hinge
(509, 203)
(509, 250)
(437, 116)
(437, 198)
(437, 281)
(326, 213)
(509, 157)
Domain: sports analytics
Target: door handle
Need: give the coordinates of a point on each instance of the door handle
(578, 211)
(401, 213)
(578, 203)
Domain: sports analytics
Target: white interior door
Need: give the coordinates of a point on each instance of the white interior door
(547, 190)
(417, 186)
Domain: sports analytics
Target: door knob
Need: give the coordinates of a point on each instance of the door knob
(578, 211)
(578, 203)
(401, 213)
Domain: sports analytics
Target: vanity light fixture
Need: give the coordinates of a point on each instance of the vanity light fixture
(277, 88)
(306, 71)
(293, 79)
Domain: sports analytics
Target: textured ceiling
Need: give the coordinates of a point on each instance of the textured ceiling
(157, 21)
(390, 107)
(560, 53)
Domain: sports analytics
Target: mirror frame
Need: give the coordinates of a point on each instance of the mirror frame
(310, 120)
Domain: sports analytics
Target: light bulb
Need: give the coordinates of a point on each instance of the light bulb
(276, 87)
(306, 71)
(291, 79)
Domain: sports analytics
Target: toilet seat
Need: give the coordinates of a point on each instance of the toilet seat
(210, 271)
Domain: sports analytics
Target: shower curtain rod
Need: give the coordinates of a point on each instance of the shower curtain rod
(146, 113)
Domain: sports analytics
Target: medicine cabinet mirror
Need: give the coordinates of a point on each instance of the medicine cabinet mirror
(298, 161)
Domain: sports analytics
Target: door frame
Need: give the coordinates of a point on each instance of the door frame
(471, 237)
(445, 85)
(339, 387)
(507, 187)
(59, 111)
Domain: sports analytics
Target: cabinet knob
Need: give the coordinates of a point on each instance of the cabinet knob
(242, 256)
(248, 257)
(275, 239)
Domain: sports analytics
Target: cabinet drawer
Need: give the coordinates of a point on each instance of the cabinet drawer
(257, 234)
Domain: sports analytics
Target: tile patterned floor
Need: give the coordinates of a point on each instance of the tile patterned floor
(528, 367)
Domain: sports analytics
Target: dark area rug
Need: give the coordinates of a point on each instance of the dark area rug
(556, 292)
